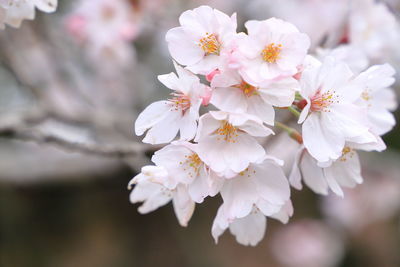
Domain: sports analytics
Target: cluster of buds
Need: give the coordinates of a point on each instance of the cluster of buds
(250, 75)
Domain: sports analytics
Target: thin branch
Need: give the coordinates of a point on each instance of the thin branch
(129, 150)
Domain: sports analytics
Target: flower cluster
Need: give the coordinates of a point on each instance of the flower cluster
(13, 12)
(249, 76)
(105, 28)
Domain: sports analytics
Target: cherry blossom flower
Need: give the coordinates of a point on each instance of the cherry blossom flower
(345, 171)
(331, 117)
(248, 230)
(226, 141)
(105, 28)
(378, 98)
(232, 93)
(260, 190)
(330, 15)
(272, 49)
(184, 166)
(179, 113)
(322, 176)
(203, 35)
(13, 12)
(374, 29)
(154, 194)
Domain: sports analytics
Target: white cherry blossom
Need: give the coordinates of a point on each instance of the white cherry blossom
(374, 29)
(153, 194)
(248, 230)
(232, 93)
(378, 98)
(203, 36)
(331, 117)
(226, 141)
(272, 49)
(260, 190)
(184, 166)
(105, 28)
(179, 113)
(322, 176)
(345, 171)
(13, 12)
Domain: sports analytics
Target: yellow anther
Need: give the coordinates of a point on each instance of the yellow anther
(271, 52)
(228, 132)
(247, 89)
(210, 44)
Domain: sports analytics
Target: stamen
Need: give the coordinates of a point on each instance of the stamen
(271, 52)
(247, 172)
(210, 44)
(321, 102)
(228, 131)
(180, 101)
(346, 152)
(366, 94)
(247, 89)
(192, 164)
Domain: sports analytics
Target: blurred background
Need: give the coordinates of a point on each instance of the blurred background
(73, 82)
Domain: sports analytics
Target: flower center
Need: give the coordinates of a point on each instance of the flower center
(365, 95)
(192, 164)
(210, 44)
(247, 89)
(346, 152)
(271, 52)
(228, 132)
(321, 102)
(180, 101)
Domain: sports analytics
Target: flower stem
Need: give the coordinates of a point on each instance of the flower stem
(293, 133)
(294, 111)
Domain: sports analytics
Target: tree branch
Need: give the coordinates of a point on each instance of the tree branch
(130, 149)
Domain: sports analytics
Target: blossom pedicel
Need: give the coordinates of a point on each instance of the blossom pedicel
(220, 152)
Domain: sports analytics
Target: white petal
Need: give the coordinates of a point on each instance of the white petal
(183, 49)
(281, 93)
(264, 111)
(239, 195)
(220, 223)
(323, 143)
(188, 125)
(249, 230)
(229, 99)
(46, 5)
(285, 212)
(151, 115)
(206, 65)
(207, 125)
(313, 175)
(165, 130)
(295, 174)
(152, 195)
(183, 205)
(346, 172)
(272, 184)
